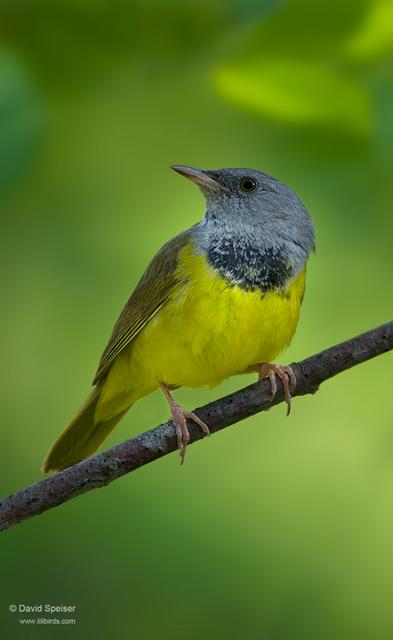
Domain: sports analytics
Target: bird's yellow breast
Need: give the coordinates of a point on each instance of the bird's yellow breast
(209, 330)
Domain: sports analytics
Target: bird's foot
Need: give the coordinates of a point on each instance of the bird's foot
(180, 417)
(286, 375)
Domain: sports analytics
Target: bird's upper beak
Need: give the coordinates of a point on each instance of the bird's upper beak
(198, 176)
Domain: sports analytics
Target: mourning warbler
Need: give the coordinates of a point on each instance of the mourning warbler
(219, 299)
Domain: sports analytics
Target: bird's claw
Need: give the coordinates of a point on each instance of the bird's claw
(180, 417)
(287, 377)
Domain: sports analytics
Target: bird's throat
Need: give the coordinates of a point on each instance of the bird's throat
(249, 266)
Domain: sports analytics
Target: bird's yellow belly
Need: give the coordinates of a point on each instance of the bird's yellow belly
(209, 330)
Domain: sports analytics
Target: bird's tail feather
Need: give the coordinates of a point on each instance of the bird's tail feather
(81, 438)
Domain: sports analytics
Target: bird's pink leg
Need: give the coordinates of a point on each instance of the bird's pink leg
(180, 416)
(286, 375)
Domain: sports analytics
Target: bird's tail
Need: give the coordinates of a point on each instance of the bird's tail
(82, 437)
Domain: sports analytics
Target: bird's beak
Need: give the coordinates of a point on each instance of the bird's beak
(198, 176)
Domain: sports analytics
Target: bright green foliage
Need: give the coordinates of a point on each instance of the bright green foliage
(297, 93)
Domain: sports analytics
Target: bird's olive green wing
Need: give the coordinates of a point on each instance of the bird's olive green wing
(150, 294)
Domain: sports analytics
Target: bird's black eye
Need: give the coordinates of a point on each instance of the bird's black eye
(248, 184)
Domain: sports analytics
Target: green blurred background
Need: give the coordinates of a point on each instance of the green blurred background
(275, 528)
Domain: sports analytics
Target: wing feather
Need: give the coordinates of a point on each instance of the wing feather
(149, 296)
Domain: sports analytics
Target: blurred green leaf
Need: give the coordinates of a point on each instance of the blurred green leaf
(296, 92)
(374, 38)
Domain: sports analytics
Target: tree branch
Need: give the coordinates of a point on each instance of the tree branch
(103, 468)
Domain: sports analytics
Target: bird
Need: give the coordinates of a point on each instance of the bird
(219, 299)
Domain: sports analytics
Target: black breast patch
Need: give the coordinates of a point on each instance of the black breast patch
(265, 268)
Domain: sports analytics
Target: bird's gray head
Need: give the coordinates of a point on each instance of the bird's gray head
(256, 231)
(247, 201)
